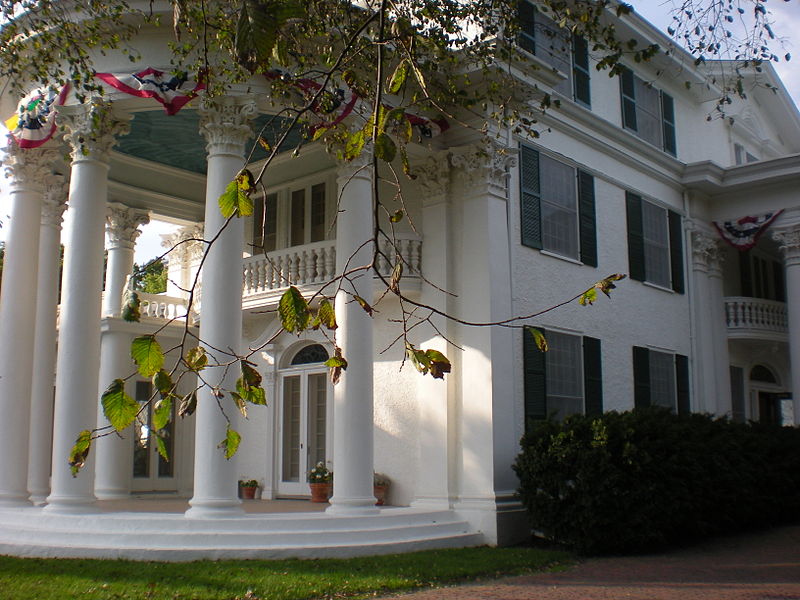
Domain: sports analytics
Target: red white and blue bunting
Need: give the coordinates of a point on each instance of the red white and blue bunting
(744, 233)
(173, 91)
(35, 120)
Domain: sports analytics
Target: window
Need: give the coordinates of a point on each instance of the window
(648, 112)
(742, 156)
(761, 276)
(265, 224)
(655, 243)
(557, 47)
(565, 380)
(557, 207)
(290, 218)
(660, 379)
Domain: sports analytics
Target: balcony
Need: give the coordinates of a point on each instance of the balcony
(754, 318)
(308, 267)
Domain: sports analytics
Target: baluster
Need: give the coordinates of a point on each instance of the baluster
(295, 268)
(247, 277)
(404, 249)
(738, 308)
(320, 264)
(330, 262)
(308, 264)
(279, 275)
(269, 274)
(416, 256)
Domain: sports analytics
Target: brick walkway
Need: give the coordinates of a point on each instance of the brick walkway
(762, 566)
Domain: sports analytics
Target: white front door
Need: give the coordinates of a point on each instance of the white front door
(151, 472)
(303, 428)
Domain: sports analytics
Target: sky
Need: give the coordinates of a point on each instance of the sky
(787, 27)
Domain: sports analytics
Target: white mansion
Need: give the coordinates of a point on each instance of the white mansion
(629, 177)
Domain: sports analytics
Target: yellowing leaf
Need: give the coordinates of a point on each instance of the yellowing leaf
(196, 359)
(326, 315)
(397, 216)
(364, 304)
(162, 413)
(538, 337)
(336, 364)
(385, 148)
(79, 452)
(146, 353)
(119, 408)
(588, 297)
(293, 311)
(188, 405)
(398, 77)
(231, 442)
(161, 446)
(162, 382)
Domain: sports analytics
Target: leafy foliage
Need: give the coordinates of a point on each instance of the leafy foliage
(293, 311)
(150, 278)
(642, 480)
(131, 306)
(230, 444)
(119, 408)
(146, 353)
(80, 451)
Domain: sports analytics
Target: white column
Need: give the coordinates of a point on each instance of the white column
(225, 127)
(114, 452)
(433, 477)
(41, 438)
(489, 415)
(18, 317)
(789, 239)
(711, 363)
(353, 422)
(90, 132)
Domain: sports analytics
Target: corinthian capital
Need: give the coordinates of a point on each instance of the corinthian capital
(433, 176)
(789, 240)
(707, 251)
(225, 123)
(55, 200)
(485, 164)
(122, 224)
(91, 130)
(28, 168)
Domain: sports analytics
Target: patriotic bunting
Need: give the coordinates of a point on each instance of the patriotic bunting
(743, 233)
(172, 91)
(35, 120)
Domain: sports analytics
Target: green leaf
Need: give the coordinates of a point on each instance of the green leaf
(231, 442)
(146, 353)
(398, 77)
(163, 383)
(354, 144)
(248, 388)
(240, 403)
(336, 364)
(249, 374)
(396, 217)
(79, 452)
(161, 446)
(131, 307)
(326, 315)
(293, 311)
(119, 408)
(162, 413)
(385, 148)
(235, 200)
(439, 364)
(538, 337)
(188, 405)
(588, 297)
(196, 359)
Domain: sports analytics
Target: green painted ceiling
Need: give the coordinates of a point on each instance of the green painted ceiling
(176, 141)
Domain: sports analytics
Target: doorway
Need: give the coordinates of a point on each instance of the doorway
(151, 472)
(303, 419)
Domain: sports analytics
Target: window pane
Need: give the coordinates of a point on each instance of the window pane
(291, 429)
(564, 374)
(648, 113)
(265, 224)
(298, 219)
(318, 213)
(141, 432)
(317, 392)
(656, 244)
(554, 47)
(662, 379)
(559, 207)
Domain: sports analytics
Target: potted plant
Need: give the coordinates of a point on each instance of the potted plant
(248, 488)
(380, 487)
(320, 480)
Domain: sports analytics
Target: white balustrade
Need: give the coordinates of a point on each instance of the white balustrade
(315, 263)
(161, 306)
(755, 314)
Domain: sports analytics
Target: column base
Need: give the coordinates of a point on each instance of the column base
(353, 506)
(112, 494)
(213, 508)
(70, 505)
(431, 503)
(14, 501)
(39, 498)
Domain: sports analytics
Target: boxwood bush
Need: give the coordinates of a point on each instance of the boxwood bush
(645, 479)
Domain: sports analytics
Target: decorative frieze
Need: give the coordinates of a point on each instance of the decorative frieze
(225, 124)
(122, 224)
(55, 200)
(91, 130)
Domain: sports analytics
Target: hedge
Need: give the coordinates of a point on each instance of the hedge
(646, 479)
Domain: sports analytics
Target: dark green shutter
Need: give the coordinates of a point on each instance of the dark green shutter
(592, 376)
(641, 377)
(628, 88)
(580, 70)
(535, 380)
(746, 274)
(530, 198)
(586, 213)
(668, 123)
(676, 251)
(737, 394)
(526, 15)
(682, 383)
(633, 209)
(778, 282)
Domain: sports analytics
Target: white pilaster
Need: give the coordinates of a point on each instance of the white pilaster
(434, 477)
(91, 129)
(226, 129)
(789, 239)
(114, 452)
(712, 361)
(42, 386)
(18, 316)
(353, 420)
(487, 418)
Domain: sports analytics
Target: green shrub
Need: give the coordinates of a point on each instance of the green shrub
(645, 479)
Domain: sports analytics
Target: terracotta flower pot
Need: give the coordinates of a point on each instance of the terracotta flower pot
(249, 493)
(379, 491)
(320, 492)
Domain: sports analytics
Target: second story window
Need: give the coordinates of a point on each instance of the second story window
(557, 47)
(648, 112)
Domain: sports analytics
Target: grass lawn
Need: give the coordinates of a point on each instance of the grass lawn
(62, 579)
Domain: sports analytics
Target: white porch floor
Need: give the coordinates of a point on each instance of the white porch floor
(155, 528)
